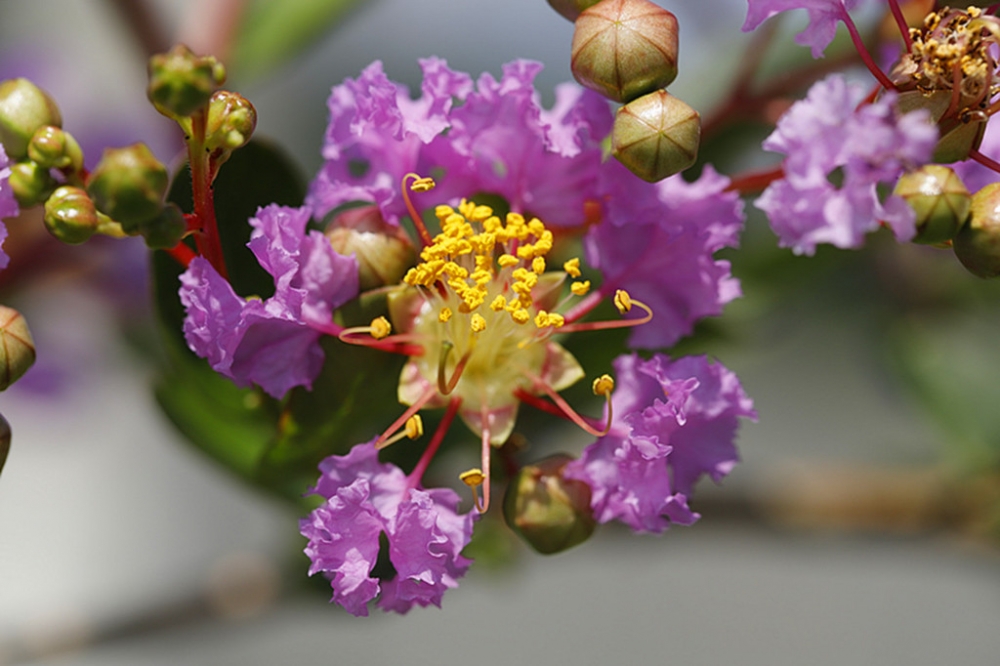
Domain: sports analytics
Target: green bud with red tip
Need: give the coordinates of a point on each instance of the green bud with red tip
(656, 136)
(548, 511)
(977, 245)
(624, 49)
(939, 198)
(24, 107)
(181, 82)
(231, 122)
(571, 9)
(70, 215)
(384, 252)
(52, 147)
(128, 185)
(31, 183)
(17, 349)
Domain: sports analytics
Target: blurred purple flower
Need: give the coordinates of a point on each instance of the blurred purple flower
(8, 204)
(823, 17)
(366, 498)
(827, 134)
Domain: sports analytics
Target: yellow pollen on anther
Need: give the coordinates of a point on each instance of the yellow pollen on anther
(572, 267)
(507, 260)
(423, 185)
(604, 385)
(580, 288)
(477, 323)
(498, 304)
(380, 328)
(538, 265)
(414, 426)
(473, 477)
(623, 301)
(520, 316)
(444, 315)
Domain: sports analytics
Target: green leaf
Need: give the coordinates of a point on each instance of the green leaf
(274, 31)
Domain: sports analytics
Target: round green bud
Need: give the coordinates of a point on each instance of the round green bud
(70, 215)
(656, 136)
(52, 147)
(231, 121)
(384, 252)
(550, 512)
(4, 441)
(571, 9)
(128, 185)
(24, 107)
(181, 82)
(165, 230)
(939, 198)
(17, 349)
(977, 245)
(31, 183)
(624, 49)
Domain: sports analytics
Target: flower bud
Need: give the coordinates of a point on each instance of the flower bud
(571, 8)
(624, 49)
(384, 252)
(165, 230)
(51, 147)
(4, 441)
(17, 349)
(939, 198)
(181, 82)
(231, 121)
(977, 245)
(128, 184)
(70, 215)
(550, 512)
(24, 107)
(30, 183)
(656, 136)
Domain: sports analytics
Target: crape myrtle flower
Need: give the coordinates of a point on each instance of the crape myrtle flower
(823, 18)
(365, 499)
(674, 422)
(273, 343)
(8, 204)
(828, 136)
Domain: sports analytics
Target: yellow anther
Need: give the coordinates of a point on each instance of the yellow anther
(526, 251)
(507, 260)
(542, 319)
(536, 227)
(380, 328)
(520, 316)
(572, 267)
(442, 211)
(444, 315)
(622, 301)
(580, 288)
(478, 323)
(515, 219)
(482, 276)
(604, 385)
(473, 477)
(422, 185)
(414, 426)
(498, 304)
(538, 265)
(556, 320)
(454, 270)
(480, 213)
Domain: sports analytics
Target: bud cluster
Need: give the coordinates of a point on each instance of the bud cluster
(626, 50)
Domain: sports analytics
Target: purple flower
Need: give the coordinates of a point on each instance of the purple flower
(673, 422)
(499, 140)
(665, 257)
(826, 133)
(366, 498)
(273, 343)
(8, 204)
(823, 17)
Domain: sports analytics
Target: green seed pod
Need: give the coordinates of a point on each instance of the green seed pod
(656, 136)
(181, 82)
(17, 349)
(384, 252)
(4, 441)
(624, 49)
(24, 107)
(128, 185)
(550, 512)
(70, 215)
(977, 245)
(939, 198)
(165, 230)
(52, 147)
(571, 9)
(231, 121)
(30, 183)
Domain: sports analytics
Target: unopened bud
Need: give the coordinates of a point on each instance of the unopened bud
(624, 49)
(550, 512)
(656, 136)
(128, 185)
(383, 252)
(181, 82)
(70, 215)
(939, 198)
(977, 245)
(571, 8)
(24, 107)
(17, 349)
(231, 121)
(30, 183)
(165, 230)
(52, 147)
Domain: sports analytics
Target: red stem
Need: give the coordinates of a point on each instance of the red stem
(182, 253)
(985, 161)
(756, 181)
(904, 29)
(866, 57)
(208, 241)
